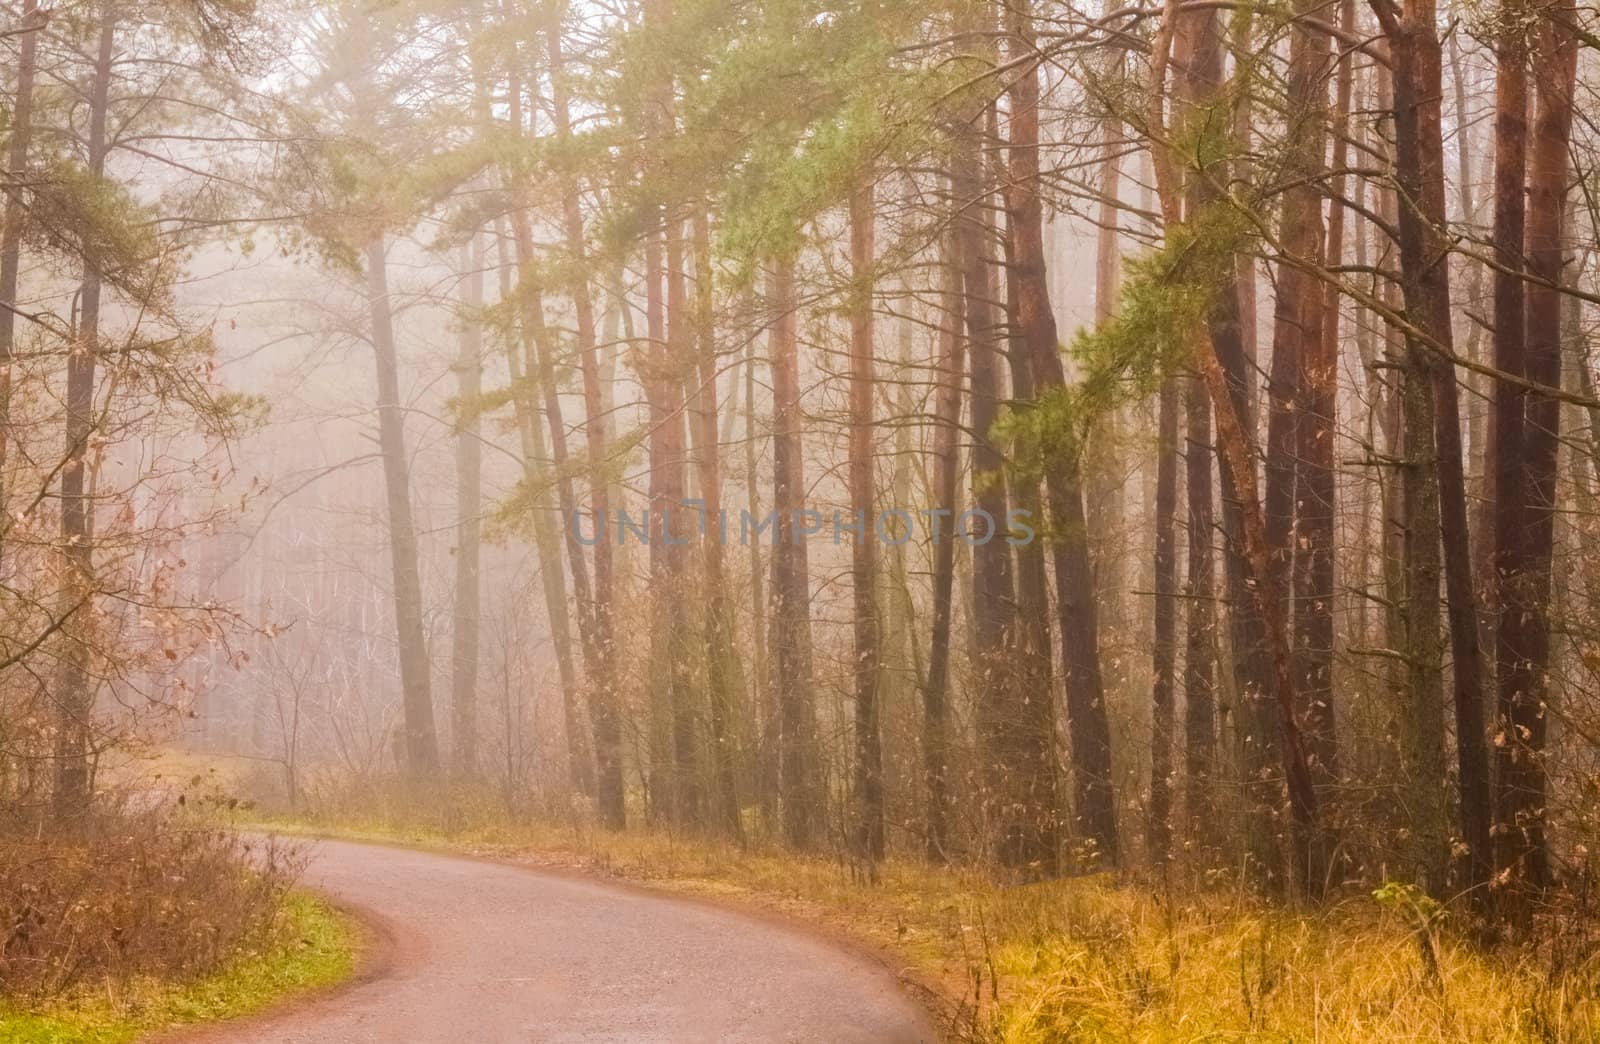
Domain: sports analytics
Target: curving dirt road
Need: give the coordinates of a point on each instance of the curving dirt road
(482, 953)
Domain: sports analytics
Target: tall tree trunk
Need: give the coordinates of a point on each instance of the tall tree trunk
(421, 743)
(15, 217)
(671, 733)
(1316, 483)
(1297, 347)
(791, 596)
(1032, 661)
(768, 773)
(946, 478)
(1387, 405)
(993, 591)
(602, 675)
(1480, 493)
(904, 668)
(1425, 279)
(1422, 741)
(524, 355)
(1200, 84)
(688, 797)
(546, 541)
(541, 369)
(469, 521)
(1508, 400)
(719, 640)
(1103, 463)
(75, 702)
(1199, 656)
(1526, 552)
(1235, 447)
(868, 667)
(1414, 515)
(1088, 725)
(1207, 81)
(1231, 336)
(1164, 650)
(1224, 366)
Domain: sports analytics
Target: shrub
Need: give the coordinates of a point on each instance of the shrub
(129, 896)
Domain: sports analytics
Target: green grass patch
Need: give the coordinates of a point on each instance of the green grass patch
(314, 947)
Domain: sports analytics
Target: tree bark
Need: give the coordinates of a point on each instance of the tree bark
(946, 478)
(1316, 484)
(791, 618)
(1422, 759)
(1224, 367)
(1199, 657)
(75, 702)
(1164, 650)
(15, 217)
(768, 771)
(993, 591)
(524, 355)
(1297, 346)
(1230, 330)
(1088, 725)
(1526, 537)
(719, 641)
(602, 675)
(867, 668)
(1103, 456)
(1032, 661)
(672, 786)
(689, 799)
(1425, 279)
(421, 743)
(469, 521)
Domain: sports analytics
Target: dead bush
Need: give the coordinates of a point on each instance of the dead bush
(128, 896)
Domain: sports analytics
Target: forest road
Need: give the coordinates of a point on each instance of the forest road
(475, 952)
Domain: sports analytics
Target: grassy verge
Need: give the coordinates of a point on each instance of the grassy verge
(1091, 959)
(315, 948)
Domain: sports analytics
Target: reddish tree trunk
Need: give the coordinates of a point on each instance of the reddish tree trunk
(1526, 511)
(1425, 279)
(791, 617)
(1315, 482)
(1297, 348)
(1088, 725)
(603, 694)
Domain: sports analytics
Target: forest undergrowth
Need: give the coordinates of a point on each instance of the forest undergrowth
(311, 947)
(1088, 958)
(138, 919)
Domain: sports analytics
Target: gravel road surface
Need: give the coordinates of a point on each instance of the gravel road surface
(474, 952)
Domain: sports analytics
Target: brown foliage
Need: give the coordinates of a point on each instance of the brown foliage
(133, 895)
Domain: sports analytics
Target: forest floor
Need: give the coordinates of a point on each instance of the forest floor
(315, 949)
(1088, 958)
